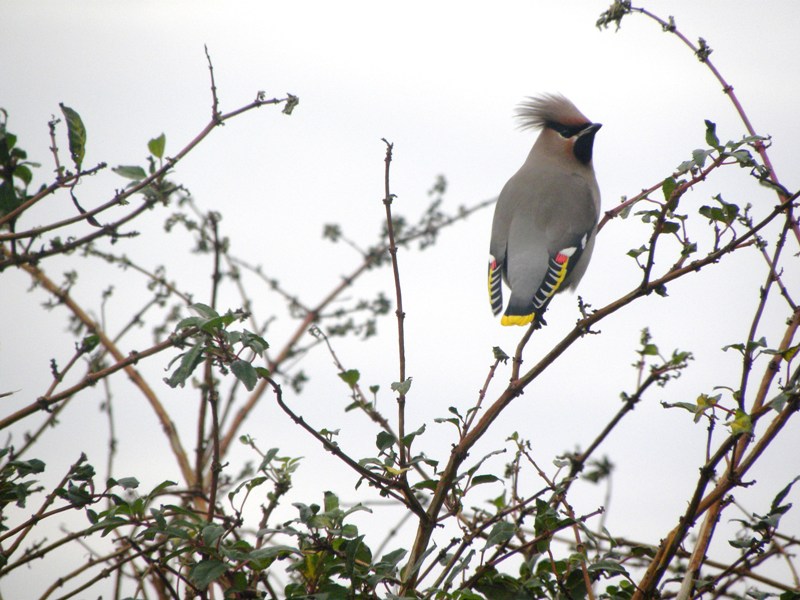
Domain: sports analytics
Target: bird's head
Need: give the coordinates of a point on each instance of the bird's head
(565, 129)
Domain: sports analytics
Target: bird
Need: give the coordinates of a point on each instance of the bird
(546, 215)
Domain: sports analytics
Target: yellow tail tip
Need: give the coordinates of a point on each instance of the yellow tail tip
(517, 319)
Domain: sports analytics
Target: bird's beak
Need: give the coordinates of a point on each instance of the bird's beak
(590, 129)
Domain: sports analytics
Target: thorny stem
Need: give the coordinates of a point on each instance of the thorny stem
(216, 466)
(215, 115)
(401, 347)
(51, 126)
(517, 360)
(747, 360)
(481, 395)
(31, 438)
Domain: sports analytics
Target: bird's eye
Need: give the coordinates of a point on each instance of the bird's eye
(566, 131)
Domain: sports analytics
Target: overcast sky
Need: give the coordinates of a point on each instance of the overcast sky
(440, 80)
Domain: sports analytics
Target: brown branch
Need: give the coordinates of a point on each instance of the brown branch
(61, 182)
(126, 364)
(401, 397)
(91, 378)
(481, 395)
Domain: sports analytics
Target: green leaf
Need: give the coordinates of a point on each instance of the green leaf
(206, 572)
(384, 440)
(27, 467)
(204, 310)
(779, 497)
(650, 350)
(741, 423)
(479, 479)
(331, 501)
(8, 198)
(76, 133)
(161, 487)
(271, 552)
(189, 322)
(350, 377)
(89, 343)
(387, 564)
(427, 484)
(244, 372)
(211, 533)
(498, 354)
(670, 227)
(699, 157)
(636, 252)
(500, 533)
(751, 346)
(255, 342)
(133, 172)
(607, 566)
(290, 104)
(409, 437)
(156, 146)
(668, 187)
(128, 483)
(189, 360)
(685, 166)
(24, 173)
(402, 387)
(158, 515)
(711, 135)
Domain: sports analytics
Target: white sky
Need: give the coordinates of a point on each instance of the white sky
(439, 80)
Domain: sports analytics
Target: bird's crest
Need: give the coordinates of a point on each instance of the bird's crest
(537, 112)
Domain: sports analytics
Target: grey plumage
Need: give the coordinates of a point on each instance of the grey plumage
(546, 215)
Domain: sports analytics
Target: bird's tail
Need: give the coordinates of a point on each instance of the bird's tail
(532, 311)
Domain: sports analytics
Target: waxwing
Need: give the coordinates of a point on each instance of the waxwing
(546, 215)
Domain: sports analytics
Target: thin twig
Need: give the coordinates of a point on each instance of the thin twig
(382, 483)
(401, 315)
